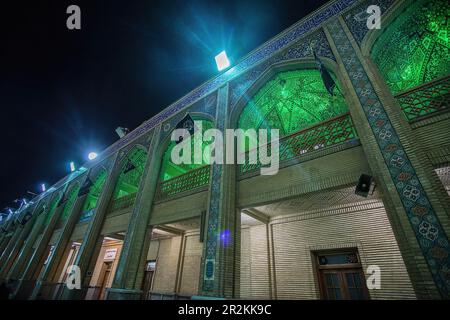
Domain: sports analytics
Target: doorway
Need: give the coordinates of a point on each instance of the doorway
(148, 278)
(105, 273)
(341, 276)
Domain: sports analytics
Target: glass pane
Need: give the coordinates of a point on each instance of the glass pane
(329, 280)
(333, 286)
(330, 294)
(357, 278)
(356, 294)
(354, 286)
(344, 258)
(337, 293)
(350, 282)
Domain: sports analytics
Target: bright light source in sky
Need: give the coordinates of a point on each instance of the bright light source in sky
(222, 61)
(72, 167)
(43, 188)
(92, 155)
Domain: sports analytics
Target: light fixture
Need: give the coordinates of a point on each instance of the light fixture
(122, 132)
(72, 167)
(222, 61)
(92, 155)
(43, 187)
(364, 184)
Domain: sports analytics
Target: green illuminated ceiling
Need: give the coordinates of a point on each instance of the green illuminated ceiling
(414, 48)
(94, 191)
(170, 170)
(131, 173)
(292, 101)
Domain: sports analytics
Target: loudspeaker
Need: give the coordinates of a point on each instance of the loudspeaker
(363, 186)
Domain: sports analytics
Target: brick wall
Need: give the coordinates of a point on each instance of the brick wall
(362, 225)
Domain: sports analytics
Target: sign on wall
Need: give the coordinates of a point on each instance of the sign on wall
(110, 254)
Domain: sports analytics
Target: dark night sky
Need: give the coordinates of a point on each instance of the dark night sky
(63, 93)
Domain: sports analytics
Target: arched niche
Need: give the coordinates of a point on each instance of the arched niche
(413, 46)
(170, 170)
(131, 172)
(290, 97)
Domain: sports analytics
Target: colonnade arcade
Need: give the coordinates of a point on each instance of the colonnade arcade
(388, 110)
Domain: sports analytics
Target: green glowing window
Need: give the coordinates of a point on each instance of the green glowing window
(170, 170)
(51, 210)
(71, 198)
(292, 101)
(414, 48)
(94, 191)
(131, 174)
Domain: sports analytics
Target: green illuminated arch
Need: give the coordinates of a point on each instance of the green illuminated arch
(292, 101)
(51, 209)
(95, 191)
(71, 198)
(131, 174)
(169, 170)
(414, 48)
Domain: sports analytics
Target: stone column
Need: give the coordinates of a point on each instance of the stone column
(48, 275)
(6, 237)
(130, 269)
(27, 279)
(92, 240)
(219, 276)
(418, 220)
(14, 246)
(4, 240)
(16, 270)
(10, 244)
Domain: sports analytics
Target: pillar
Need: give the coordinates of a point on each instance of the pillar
(219, 273)
(29, 274)
(49, 275)
(10, 254)
(92, 240)
(420, 222)
(128, 279)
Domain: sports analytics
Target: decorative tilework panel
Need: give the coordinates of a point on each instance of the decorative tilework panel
(210, 281)
(356, 18)
(429, 232)
(298, 50)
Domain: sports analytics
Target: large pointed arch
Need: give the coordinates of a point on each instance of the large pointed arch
(413, 47)
(50, 209)
(291, 101)
(174, 178)
(127, 185)
(71, 198)
(92, 197)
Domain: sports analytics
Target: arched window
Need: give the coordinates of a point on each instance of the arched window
(70, 201)
(95, 191)
(129, 179)
(51, 208)
(177, 178)
(414, 48)
(169, 170)
(292, 101)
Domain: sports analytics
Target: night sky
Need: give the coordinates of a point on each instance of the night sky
(63, 92)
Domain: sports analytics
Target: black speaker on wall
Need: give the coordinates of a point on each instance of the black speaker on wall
(363, 186)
